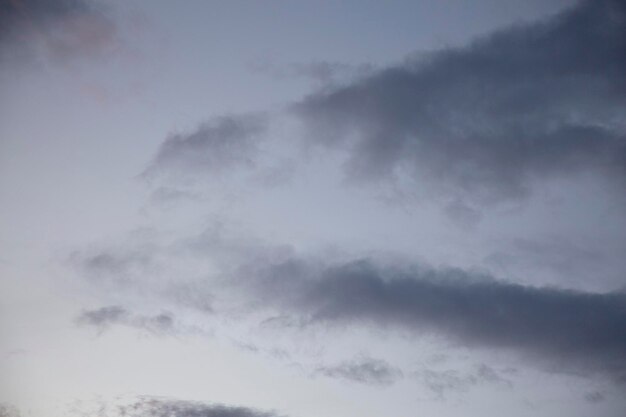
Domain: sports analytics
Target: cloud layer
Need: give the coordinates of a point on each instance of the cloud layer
(562, 330)
(558, 329)
(525, 103)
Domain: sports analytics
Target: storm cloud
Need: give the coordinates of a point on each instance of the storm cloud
(483, 121)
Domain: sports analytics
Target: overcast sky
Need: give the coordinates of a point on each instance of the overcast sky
(312, 208)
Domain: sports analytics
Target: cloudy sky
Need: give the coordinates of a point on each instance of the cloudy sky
(312, 208)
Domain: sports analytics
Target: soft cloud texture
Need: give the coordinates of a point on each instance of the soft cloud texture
(105, 317)
(217, 146)
(483, 121)
(363, 370)
(561, 329)
(479, 256)
(7, 410)
(146, 406)
(442, 382)
(56, 31)
(154, 407)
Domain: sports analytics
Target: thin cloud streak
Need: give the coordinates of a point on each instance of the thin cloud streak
(105, 317)
(368, 371)
(155, 407)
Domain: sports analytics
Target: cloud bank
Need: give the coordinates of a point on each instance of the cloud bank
(525, 103)
(561, 330)
(557, 329)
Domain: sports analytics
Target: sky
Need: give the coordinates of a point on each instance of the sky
(312, 208)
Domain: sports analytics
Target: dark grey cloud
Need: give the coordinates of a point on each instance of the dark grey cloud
(105, 317)
(363, 370)
(561, 330)
(56, 30)
(156, 407)
(223, 143)
(483, 121)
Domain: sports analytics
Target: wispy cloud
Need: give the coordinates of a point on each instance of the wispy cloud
(221, 144)
(442, 382)
(158, 407)
(363, 370)
(56, 31)
(103, 318)
(7, 410)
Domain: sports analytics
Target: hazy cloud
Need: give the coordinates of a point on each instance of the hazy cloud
(323, 73)
(589, 262)
(152, 407)
(223, 143)
(115, 264)
(105, 317)
(364, 370)
(594, 397)
(441, 382)
(54, 30)
(482, 121)
(7, 410)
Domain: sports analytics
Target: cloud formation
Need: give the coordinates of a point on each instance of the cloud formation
(105, 317)
(441, 382)
(223, 143)
(7, 410)
(483, 121)
(57, 31)
(563, 330)
(363, 370)
(155, 407)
